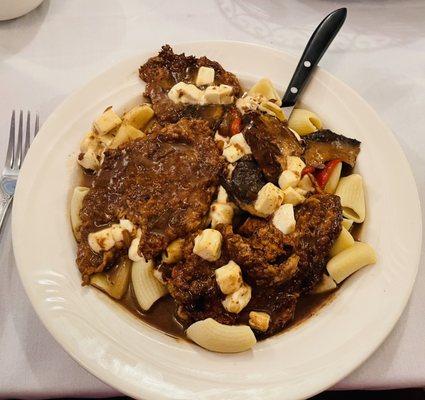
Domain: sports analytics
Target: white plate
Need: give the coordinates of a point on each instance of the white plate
(145, 363)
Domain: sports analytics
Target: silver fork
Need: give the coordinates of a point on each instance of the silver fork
(16, 152)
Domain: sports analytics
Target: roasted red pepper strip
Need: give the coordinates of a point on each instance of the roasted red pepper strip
(308, 170)
(323, 175)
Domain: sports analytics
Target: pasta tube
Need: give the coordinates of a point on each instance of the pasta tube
(265, 88)
(304, 122)
(350, 260)
(344, 241)
(213, 336)
(333, 180)
(76, 205)
(115, 282)
(325, 285)
(146, 287)
(350, 190)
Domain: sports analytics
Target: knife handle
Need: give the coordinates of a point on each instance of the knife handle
(317, 45)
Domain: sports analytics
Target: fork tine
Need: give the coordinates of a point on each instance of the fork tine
(18, 147)
(37, 123)
(11, 146)
(27, 134)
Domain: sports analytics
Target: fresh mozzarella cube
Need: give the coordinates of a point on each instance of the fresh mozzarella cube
(292, 196)
(233, 153)
(295, 164)
(305, 184)
(221, 214)
(238, 140)
(101, 240)
(283, 219)
(225, 92)
(205, 76)
(133, 251)
(211, 95)
(185, 93)
(288, 179)
(158, 275)
(138, 116)
(174, 252)
(107, 121)
(269, 199)
(259, 320)
(238, 300)
(229, 277)
(107, 238)
(222, 196)
(208, 245)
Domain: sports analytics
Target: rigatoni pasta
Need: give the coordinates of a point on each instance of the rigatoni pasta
(76, 204)
(350, 260)
(213, 336)
(304, 122)
(351, 192)
(146, 287)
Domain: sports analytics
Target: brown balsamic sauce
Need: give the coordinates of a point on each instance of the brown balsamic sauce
(162, 314)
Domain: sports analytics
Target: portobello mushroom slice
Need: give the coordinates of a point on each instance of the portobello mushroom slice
(244, 184)
(325, 145)
(271, 142)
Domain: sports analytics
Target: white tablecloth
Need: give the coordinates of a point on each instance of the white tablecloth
(47, 54)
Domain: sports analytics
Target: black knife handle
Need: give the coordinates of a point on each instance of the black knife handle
(319, 41)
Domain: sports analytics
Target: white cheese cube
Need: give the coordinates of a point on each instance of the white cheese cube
(225, 92)
(107, 238)
(107, 121)
(238, 300)
(185, 93)
(205, 76)
(211, 95)
(221, 214)
(292, 196)
(259, 320)
(101, 240)
(229, 277)
(288, 179)
(284, 220)
(305, 184)
(222, 196)
(208, 245)
(233, 153)
(295, 164)
(238, 140)
(269, 199)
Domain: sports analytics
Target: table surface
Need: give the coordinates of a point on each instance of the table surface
(52, 51)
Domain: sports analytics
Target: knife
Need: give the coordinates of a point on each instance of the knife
(317, 45)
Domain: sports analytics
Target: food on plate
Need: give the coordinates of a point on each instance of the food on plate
(205, 199)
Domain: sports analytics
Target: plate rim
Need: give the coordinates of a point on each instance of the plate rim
(147, 392)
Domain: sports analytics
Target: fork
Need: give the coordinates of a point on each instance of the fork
(16, 152)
